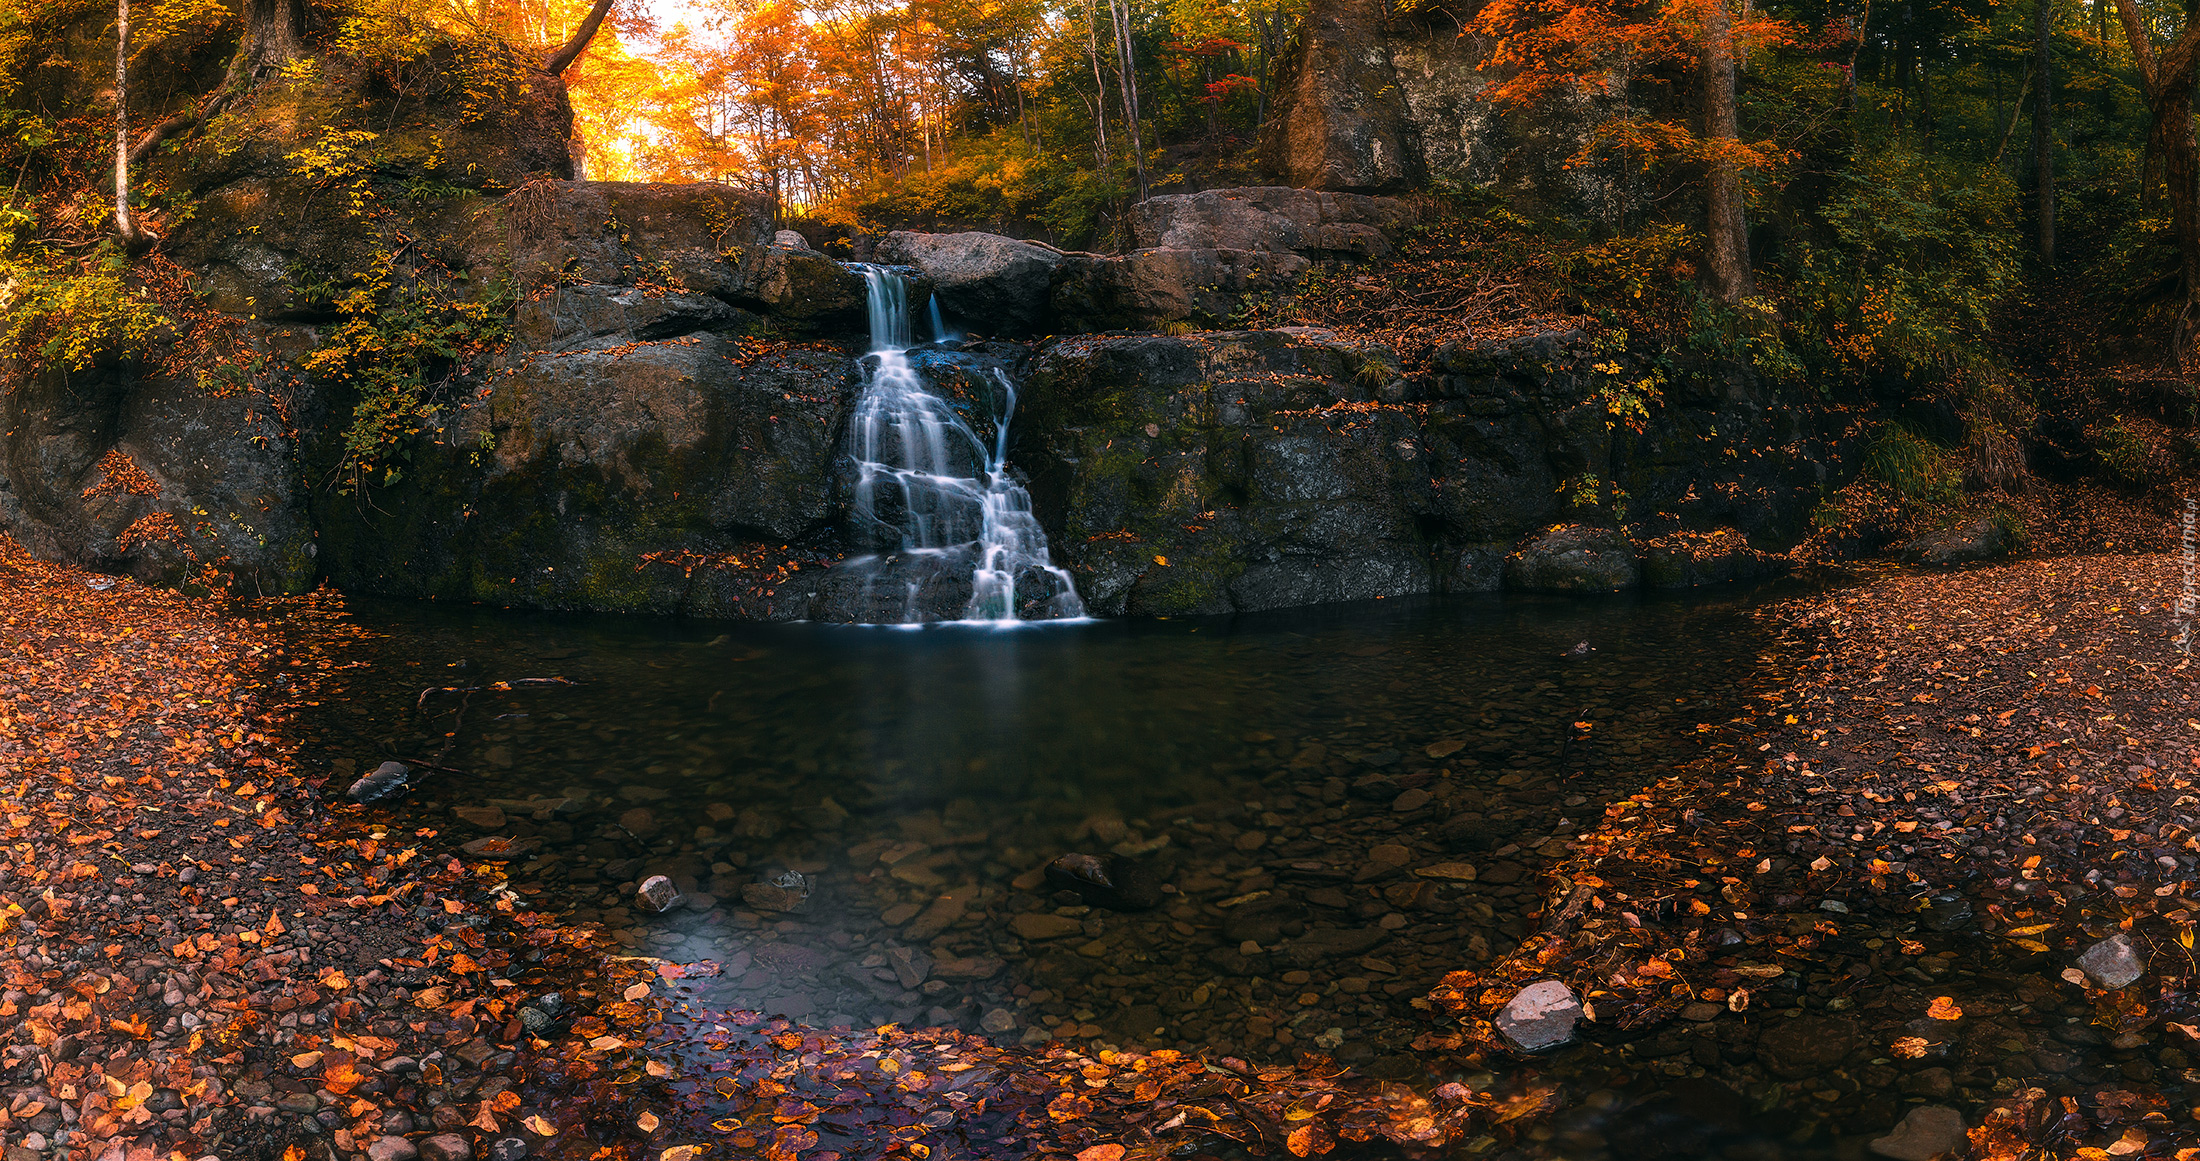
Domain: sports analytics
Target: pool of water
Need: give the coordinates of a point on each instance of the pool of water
(1340, 805)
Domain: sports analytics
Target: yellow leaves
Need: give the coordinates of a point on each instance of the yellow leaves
(635, 991)
(1163, 561)
(539, 1127)
(1068, 1107)
(647, 1122)
(1944, 1008)
(1112, 1153)
(1910, 1047)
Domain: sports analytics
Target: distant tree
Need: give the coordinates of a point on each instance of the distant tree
(1548, 49)
(2166, 76)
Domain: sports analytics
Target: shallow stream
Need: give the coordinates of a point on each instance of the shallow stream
(1344, 803)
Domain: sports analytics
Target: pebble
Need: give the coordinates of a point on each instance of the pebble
(1540, 1016)
(2113, 962)
(485, 817)
(944, 912)
(656, 893)
(998, 1021)
(1449, 872)
(1927, 1132)
(446, 1147)
(1117, 882)
(386, 782)
(392, 1148)
(1410, 800)
(770, 897)
(911, 967)
(1035, 926)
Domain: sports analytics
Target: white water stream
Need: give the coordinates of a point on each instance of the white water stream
(925, 476)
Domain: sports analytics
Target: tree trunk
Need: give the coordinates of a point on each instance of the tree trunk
(562, 59)
(1100, 85)
(2181, 180)
(1126, 60)
(1727, 274)
(125, 224)
(2168, 84)
(274, 35)
(1904, 64)
(2043, 130)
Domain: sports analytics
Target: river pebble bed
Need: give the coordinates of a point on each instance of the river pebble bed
(854, 824)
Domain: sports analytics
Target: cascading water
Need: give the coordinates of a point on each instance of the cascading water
(929, 486)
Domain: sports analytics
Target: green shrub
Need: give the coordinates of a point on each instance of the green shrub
(1913, 256)
(1916, 468)
(2122, 450)
(69, 314)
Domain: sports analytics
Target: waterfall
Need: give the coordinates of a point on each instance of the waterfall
(927, 484)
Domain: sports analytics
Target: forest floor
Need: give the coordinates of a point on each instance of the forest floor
(1871, 899)
(200, 959)
(1952, 866)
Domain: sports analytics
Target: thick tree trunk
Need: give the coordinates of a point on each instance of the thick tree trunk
(2043, 130)
(274, 35)
(1727, 273)
(1127, 61)
(2173, 143)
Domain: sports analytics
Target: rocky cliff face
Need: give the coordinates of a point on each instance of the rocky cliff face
(1254, 470)
(645, 401)
(1379, 102)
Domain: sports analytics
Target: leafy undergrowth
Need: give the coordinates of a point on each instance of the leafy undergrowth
(1975, 778)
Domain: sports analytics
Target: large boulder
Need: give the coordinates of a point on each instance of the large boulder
(994, 284)
(1574, 558)
(1688, 559)
(660, 476)
(1209, 474)
(121, 468)
(1152, 289)
(1964, 541)
(1311, 223)
(1376, 98)
(1248, 470)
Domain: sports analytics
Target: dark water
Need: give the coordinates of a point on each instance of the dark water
(1285, 774)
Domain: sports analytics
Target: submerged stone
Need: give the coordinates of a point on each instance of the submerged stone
(2113, 962)
(656, 893)
(386, 782)
(1928, 1132)
(1539, 1016)
(1115, 882)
